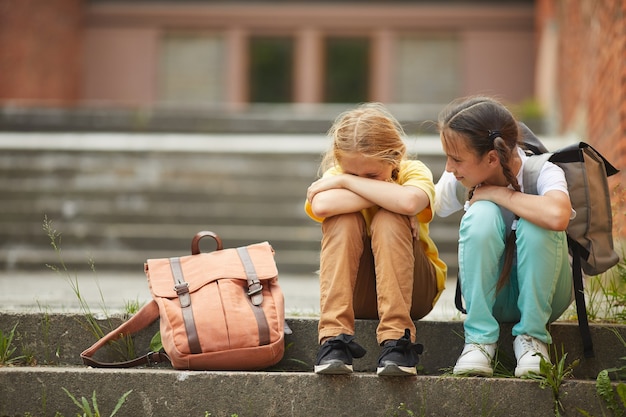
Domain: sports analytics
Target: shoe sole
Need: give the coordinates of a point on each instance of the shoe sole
(335, 367)
(392, 369)
(472, 371)
(526, 371)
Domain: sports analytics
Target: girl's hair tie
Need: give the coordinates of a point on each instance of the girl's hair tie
(493, 134)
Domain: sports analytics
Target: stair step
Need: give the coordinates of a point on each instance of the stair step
(120, 199)
(164, 392)
(291, 388)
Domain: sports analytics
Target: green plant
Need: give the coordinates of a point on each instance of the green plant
(7, 349)
(125, 346)
(552, 376)
(528, 109)
(605, 295)
(605, 389)
(86, 408)
(45, 328)
(403, 408)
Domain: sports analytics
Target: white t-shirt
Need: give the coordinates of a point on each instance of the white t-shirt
(551, 177)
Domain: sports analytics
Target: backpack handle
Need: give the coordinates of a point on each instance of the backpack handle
(195, 242)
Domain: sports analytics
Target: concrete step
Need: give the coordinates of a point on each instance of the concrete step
(157, 393)
(54, 342)
(120, 198)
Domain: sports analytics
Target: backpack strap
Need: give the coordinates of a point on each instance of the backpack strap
(579, 296)
(532, 168)
(139, 321)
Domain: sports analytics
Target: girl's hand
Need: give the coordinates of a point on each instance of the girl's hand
(492, 193)
(555, 212)
(323, 184)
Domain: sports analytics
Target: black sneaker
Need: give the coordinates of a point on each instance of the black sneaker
(335, 355)
(399, 357)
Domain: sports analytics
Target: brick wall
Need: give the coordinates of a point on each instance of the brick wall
(40, 51)
(591, 80)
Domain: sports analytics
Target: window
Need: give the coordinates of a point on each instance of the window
(190, 69)
(271, 69)
(346, 70)
(427, 70)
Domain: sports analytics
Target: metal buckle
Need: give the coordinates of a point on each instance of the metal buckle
(151, 362)
(181, 288)
(255, 291)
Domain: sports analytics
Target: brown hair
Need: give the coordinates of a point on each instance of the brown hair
(369, 130)
(485, 124)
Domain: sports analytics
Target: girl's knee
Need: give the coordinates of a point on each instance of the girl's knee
(388, 223)
(344, 223)
(483, 221)
(536, 236)
(385, 217)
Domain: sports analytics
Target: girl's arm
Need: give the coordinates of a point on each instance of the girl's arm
(346, 193)
(551, 211)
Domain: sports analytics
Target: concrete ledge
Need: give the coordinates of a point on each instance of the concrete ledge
(290, 388)
(176, 393)
(58, 339)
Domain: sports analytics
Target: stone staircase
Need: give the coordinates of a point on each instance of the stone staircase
(118, 198)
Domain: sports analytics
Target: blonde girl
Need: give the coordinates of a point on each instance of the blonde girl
(377, 259)
(513, 259)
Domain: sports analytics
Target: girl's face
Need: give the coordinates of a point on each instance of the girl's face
(366, 167)
(469, 168)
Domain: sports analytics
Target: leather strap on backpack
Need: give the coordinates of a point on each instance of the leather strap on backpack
(255, 295)
(139, 321)
(255, 289)
(579, 295)
(182, 290)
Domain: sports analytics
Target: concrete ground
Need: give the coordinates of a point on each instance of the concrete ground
(54, 292)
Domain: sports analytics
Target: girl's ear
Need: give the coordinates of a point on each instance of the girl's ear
(493, 158)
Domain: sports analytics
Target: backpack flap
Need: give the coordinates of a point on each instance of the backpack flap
(204, 268)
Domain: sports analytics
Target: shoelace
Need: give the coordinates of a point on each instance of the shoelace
(404, 344)
(345, 341)
(530, 344)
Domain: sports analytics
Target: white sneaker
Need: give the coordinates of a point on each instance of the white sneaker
(475, 360)
(528, 352)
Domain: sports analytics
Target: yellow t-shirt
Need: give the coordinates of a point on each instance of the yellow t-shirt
(416, 174)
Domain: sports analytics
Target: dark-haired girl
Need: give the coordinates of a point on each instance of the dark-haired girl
(513, 257)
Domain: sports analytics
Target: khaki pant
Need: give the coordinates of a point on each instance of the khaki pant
(386, 276)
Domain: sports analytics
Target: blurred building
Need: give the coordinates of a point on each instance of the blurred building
(280, 66)
(231, 55)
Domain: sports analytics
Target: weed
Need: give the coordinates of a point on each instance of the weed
(7, 349)
(552, 376)
(124, 347)
(406, 411)
(606, 295)
(86, 408)
(45, 328)
(605, 389)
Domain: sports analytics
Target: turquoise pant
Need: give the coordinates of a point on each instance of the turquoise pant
(539, 288)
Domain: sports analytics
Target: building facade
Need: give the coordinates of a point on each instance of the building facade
(232, 54)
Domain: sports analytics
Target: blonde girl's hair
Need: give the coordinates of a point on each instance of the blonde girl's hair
(369, 130)
(485, 124)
